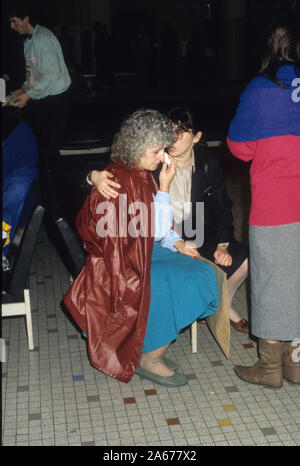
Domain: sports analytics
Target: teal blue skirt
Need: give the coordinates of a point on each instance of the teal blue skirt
(183, 289)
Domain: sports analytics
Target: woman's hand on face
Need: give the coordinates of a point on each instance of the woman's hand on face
(184, 248)
(222, 257)
(103, 183)
(167, 174)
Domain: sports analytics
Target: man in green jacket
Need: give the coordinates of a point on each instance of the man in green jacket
(47, 79)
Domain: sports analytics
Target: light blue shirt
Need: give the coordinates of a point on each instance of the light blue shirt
(164, 215)
(46, 70)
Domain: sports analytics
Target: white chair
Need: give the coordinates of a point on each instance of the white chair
(194, 336)
(20, 309)
(15, 293)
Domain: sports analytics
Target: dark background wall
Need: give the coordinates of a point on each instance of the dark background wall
(217, 40)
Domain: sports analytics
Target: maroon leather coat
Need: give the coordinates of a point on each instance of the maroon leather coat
(110, 298)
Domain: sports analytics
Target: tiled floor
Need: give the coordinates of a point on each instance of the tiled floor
(53, 396)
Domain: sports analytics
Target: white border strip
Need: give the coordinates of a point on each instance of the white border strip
(105, 150)
(214, 143)
(96, 150)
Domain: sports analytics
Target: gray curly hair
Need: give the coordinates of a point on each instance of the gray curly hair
(143, 129)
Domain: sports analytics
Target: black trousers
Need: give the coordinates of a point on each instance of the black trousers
(50, 119)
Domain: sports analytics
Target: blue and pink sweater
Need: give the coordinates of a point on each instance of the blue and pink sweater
(266, 131)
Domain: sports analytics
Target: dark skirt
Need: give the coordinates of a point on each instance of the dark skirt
(237, 250)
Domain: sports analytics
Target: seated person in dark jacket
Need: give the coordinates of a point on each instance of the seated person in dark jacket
(199, 178)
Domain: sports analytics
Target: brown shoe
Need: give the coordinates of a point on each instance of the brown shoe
(291, 361)
(268, 369)
(240, 326)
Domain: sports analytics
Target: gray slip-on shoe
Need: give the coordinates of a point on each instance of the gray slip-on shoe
(171, 364)
(176, 380)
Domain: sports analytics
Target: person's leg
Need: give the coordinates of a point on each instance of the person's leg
(237, 272)
(267, 370)
(60, 113)
(291, 361)
(154, 362)
(154, 367)
(44, 133)
(233, 284)
(51, 116)
(274, 304)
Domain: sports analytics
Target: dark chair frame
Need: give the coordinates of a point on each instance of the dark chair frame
(73, 245)
(15, 292)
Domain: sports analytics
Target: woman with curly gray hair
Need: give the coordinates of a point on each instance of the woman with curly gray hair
(142, 129)
(141, 283)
